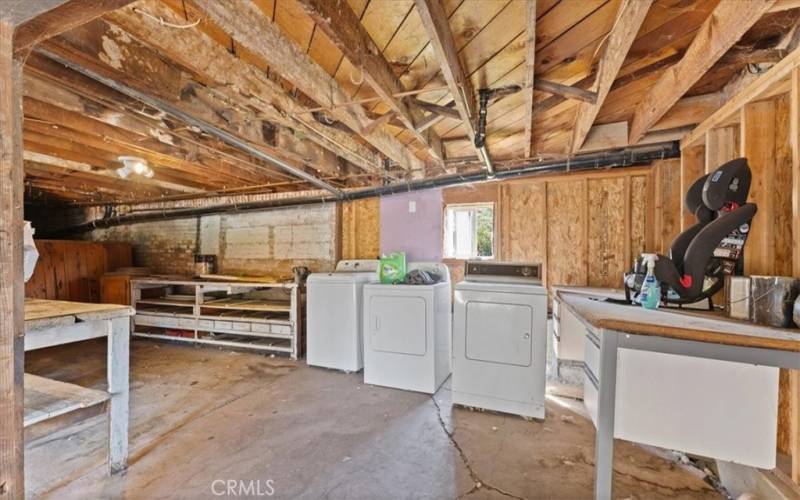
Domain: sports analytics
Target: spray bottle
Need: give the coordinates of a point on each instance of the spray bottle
(650, 297)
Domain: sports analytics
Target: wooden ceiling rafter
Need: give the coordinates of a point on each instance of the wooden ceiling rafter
(437, 25)
(197, 50)
(629, 19)
(530, 75)
(248, 26)
(344, 28)
(726, 25)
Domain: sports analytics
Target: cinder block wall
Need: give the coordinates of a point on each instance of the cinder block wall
(254, 243)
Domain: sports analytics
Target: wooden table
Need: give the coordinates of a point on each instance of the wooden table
(52, 322)
(616, 326)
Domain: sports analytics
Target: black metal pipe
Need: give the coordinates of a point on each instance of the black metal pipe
(627, 157)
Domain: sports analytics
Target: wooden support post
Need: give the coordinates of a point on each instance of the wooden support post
(692, 167)
(118, 387)
(794, 381)
(720, 147)
(11, 280)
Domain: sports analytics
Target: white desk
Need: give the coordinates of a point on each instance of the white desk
(616, 327)
(52, 322)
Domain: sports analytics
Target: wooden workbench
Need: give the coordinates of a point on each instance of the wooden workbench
(52, 322)
(611, 327)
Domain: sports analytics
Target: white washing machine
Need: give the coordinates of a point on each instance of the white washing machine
(407, 333)
(333, 305)
(500, 339)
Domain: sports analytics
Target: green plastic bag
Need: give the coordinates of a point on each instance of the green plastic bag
(393, 267)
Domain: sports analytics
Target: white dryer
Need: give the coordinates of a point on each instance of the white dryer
(333, 305)
(407, 333)
(500, 339)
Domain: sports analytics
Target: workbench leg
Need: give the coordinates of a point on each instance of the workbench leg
(118, 386)
(606, 395)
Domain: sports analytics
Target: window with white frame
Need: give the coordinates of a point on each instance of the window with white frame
(469, 231)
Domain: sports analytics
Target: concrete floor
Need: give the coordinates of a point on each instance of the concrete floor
(200, 415)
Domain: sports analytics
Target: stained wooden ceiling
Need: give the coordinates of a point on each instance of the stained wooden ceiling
(271, 74)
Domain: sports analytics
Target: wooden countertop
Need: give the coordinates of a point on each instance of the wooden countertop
(678, 324)
(41, 313)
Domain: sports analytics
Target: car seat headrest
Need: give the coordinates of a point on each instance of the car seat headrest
(694, 201)
(729, 184)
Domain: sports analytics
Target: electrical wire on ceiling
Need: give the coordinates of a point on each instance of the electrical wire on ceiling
(163, 22)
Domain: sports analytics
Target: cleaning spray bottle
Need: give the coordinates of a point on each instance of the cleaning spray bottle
(650, 297)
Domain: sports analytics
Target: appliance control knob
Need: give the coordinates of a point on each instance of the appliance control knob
(527, 271)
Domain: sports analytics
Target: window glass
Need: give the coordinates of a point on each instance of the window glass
(469, 231)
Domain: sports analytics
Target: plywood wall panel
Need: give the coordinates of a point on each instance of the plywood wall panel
(360, 233)
(693, 166)
(606, 231)
(641, 218)
(523, 232)
(668, 203)
(566, 233)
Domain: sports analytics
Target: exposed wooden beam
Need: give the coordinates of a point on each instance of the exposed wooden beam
(343, 26)
(437, 26)
(204, 126)
(724, 27)
(249, 27)
(64, 17)
(379, 122)
(446, 111)
(629, 19)
(243, 83)
(565, 91)
(11, 283)
(530, 74)
(755, 89)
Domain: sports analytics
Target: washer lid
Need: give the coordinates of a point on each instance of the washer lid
(342, 278)
(482, 286)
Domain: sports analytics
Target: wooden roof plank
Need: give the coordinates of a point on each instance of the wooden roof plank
(250, 28)
(49, 21)
(344, 28)
(724, 27)
(629, 19)
(530, 74)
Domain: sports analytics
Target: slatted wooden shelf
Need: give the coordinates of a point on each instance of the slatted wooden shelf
(236, 314)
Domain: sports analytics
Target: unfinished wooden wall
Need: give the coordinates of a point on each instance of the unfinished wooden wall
(761, 132)
(360, 232)
(585, 228)
(71, 270)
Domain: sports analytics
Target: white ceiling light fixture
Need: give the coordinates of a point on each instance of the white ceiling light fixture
(134, 165)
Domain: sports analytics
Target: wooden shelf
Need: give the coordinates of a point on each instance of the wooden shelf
(167, 302)
(262, 316)
(247, 305)
(46, 399)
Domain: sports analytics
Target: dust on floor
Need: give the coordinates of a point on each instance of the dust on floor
(203, 419)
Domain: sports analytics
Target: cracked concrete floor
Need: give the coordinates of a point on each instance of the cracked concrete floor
(199, 415)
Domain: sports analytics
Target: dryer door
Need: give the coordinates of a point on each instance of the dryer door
(498, 330)
(398, 324)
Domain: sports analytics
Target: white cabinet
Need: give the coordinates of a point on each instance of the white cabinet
(711, 408)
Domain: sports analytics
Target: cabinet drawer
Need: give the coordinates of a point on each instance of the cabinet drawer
(143, 320)
(259, 328)
(281, 329)
(223, 325)
(205, 324)
(241, 326)
(187, 323)
(591, 353)
(590, 394)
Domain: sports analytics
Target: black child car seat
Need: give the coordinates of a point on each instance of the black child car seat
(702, 255)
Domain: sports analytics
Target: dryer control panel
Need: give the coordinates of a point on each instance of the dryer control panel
(503, 272)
